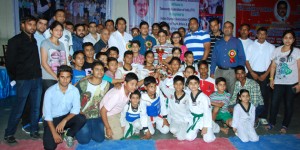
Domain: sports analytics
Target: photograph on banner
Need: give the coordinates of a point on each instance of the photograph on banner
(209, 9)
(176, 12)
(141, 10)
(77, 11)
(276, 15)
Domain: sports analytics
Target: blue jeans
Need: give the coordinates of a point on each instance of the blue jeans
(31, 89)
(259, 110)
(92, 130)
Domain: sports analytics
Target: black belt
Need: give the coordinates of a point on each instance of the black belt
(228, 68)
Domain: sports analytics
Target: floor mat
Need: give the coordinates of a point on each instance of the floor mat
(173, 144)
(269, 142)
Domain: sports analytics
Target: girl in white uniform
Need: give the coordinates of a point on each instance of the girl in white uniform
(244, 117)
(178, 107)
(200, 117)
(152, 100)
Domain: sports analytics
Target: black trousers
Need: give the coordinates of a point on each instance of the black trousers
(73, 124)
(265, 92)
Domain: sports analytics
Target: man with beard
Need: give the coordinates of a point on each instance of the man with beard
(78, 37)
(23, 66)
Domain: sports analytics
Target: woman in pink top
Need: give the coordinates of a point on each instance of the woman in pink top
(177, 41)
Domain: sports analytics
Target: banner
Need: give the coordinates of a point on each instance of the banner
(275, 15)
(141, 10)
(209, 9)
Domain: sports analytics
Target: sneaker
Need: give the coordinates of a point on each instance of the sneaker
(263, 121)
(10, 139)
(35, 135)
(69, 140)
(26, 128)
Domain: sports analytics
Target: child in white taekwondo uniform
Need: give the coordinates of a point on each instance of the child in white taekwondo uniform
(201, 117)
(178, 107)
(244, 117)
(131, 119)
(155, 107)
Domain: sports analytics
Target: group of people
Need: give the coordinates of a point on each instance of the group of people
(114, 85)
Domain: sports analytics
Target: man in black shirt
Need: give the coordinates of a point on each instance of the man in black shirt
(23, 66)
(215, 35)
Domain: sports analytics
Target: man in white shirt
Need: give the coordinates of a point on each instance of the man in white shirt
(93, 36)
(244, 36)
(66, 38)
(258, 60)
(120, 38)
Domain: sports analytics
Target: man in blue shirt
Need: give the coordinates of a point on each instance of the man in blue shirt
(227, 54)
(78, 37)
(61, 110)
(145, 37)
(197, 41)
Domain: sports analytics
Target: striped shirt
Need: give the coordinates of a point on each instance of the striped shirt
(195, 42)
(213, 40)
(224, 98)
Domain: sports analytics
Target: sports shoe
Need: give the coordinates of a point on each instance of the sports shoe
(35, 135)
(10, 139)
(69, 140)
(263, 121)
(26, 128)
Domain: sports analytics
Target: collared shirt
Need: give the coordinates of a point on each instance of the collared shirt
(207, 85)
(90, 38)
(195, 42)
(167, 51)
(259, 55)
(246, 43)
(221, 54)
(221, 98)
(77, 43)
(57, 103)
(22, 58)
(99, 45)
(39, 38)
(118, 40)
(254, 90)
(213, 40)
(143, 41)
(114, 101)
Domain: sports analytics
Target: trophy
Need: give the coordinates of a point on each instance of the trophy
(160, 51)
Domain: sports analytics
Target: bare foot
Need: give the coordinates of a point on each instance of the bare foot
(224, 130)
(283, 130)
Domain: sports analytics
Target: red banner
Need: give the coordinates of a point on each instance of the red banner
(275, 15)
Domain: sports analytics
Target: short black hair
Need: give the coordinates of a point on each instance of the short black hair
(87, 44)
(282, 3)
(136, 92)
(78, 25)
(193, 18)
(97, 63)
(113, 48)
(236, 69)
(144, 23)
(134, 28)
(214, 19)
(28, 18)
(220, 79)
(245, 24)
(190, 67)
(92, 23)
(100, 54)
(76, 53)
(262, 29)
(164, 24)
(163, 31)
(131, 76)
(202, 62)
(64, 68)
(178, 78)
(136, 42)
(127, 53)
(109, 20)
(58, 10)
(192, 77)
(55, 24)
(176, 48)
(41, 17)
(109, 59)
(155, 24)
(118, 20)
(69, 23)
(175, 59)
(148, 80)
(188, 53)
(182, 29)
(229, 23)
